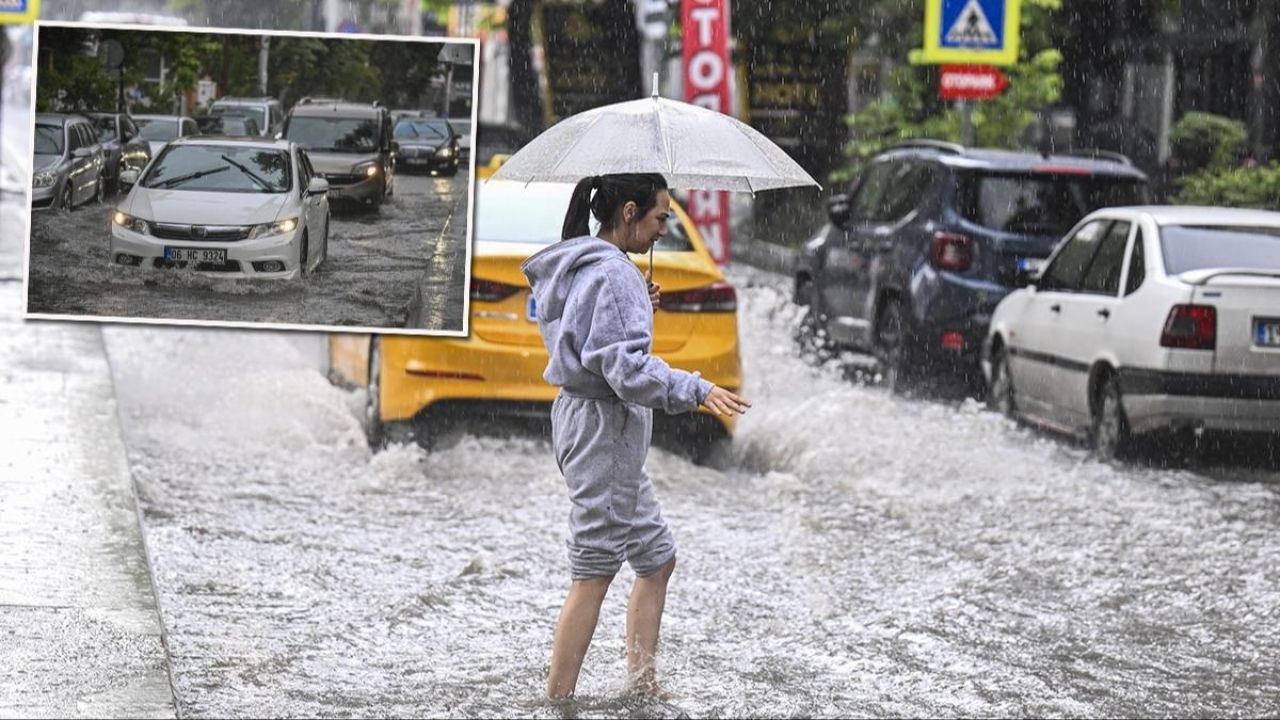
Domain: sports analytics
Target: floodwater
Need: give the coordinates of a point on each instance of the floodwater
(862, 554)
(401, 266)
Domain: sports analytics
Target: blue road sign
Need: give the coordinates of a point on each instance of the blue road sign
(971, 31)
(348, 26)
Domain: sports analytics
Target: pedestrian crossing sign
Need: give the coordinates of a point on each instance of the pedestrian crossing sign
(18, 11)
(971, 32)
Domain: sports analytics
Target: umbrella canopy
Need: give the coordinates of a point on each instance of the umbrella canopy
(693, 147)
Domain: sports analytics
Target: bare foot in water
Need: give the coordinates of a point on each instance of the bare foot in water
(651, 689)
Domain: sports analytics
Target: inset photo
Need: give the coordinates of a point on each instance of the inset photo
(310, 181)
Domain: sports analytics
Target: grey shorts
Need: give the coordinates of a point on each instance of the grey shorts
(600, 445)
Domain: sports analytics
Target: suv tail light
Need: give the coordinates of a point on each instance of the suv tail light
(1192, 327)
(717, 297)
(490, 291)
(951, 251)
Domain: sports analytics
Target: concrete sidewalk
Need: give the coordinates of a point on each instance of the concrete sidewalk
(80, 633)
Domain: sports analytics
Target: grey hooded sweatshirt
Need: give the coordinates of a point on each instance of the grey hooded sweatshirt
(597, 324)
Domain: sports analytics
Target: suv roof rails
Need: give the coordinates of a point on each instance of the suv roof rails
(1097, 154)
(939, 145)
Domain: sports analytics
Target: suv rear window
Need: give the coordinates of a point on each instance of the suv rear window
(1202, 247)
(1040, 203)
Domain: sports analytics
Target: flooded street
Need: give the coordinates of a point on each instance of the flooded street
(401, 266)
(863, 555)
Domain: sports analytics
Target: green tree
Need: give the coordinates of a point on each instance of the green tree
(910, 109)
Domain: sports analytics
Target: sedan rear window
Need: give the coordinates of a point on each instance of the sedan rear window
(1041, 203)
(221, 168)
(1202, 247)
(510, 212)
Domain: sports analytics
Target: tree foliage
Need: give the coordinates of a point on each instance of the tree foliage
(910, 108)
(1241, 187)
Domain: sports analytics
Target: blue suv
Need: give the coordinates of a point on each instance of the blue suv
(932, 236)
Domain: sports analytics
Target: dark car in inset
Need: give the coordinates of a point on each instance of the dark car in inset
(932, 236)
(429, 144)
(123, 146)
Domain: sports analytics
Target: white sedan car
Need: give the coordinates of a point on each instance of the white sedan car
(235, 208)
(1146, 319)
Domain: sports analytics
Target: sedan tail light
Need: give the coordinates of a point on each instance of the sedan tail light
(1191, 327)
(491, 291)
(951, 251)
(717, 297)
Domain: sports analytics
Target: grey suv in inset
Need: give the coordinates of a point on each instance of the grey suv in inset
(350, 145)
(932, 236)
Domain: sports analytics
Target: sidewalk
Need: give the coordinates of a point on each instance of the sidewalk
(80, 633)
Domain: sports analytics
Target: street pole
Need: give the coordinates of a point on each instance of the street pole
(966, 123)
(264, 53)
(448, 91)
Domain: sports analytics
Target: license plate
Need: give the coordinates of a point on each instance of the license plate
(198, 255)
(531, 311)
(418, 161)
(1266, 332)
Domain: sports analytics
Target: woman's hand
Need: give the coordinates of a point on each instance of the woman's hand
(655, 291)
(723, 402)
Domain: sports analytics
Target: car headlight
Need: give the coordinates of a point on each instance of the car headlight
(368, 169)
(130, 222)
(445, 151)
(276, 228)
(44, 179)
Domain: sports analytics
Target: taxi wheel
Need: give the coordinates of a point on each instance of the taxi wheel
(382, 433)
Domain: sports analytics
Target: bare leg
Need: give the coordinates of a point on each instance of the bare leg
(644, 620)
(578, 617)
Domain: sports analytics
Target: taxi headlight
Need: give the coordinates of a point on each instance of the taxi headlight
(130, 222)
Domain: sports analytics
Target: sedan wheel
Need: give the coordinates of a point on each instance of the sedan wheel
(1000, 394)
(303, 253)
(67, 201)
(1110, 432)
(100, 191)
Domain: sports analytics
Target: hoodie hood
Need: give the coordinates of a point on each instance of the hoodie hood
(548, 269)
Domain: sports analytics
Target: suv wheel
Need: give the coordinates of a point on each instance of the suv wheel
(893, 345)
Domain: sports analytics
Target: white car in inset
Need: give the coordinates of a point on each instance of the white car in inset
(235, 208)
(1146, 319)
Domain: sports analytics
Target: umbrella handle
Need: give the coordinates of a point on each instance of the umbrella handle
(650, 263)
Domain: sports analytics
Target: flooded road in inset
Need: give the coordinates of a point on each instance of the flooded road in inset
(401, 266)
(863, 555)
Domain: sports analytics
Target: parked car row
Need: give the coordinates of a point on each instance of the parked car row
(1144, 319)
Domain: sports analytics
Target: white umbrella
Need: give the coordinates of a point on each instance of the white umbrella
(693, 147)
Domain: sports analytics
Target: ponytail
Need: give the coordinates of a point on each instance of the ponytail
(611, 193)
(579, 215)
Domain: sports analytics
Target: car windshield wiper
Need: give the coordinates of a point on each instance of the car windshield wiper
(189, 176)
(252, 176)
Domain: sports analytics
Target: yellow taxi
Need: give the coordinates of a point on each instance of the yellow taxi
(418, 385)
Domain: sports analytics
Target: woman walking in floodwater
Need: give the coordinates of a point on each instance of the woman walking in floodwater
(596, 318)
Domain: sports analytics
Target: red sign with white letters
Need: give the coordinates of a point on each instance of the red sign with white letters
(971, 82)
(706, 83)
